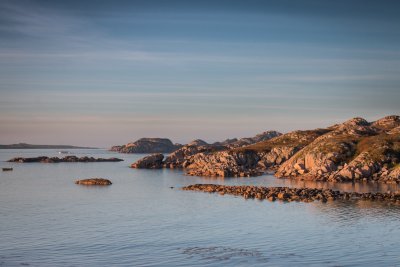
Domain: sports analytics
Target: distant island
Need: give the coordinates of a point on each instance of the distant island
(31, 146)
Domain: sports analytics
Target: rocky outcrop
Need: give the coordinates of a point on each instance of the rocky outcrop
(94, 181)
(356, 150)
(252, 140)
(292, 194)
(224, 164)
(44, 159)
(182, 157)
(277, 150)
(154, 161)
(148, 145)
(353, 151)
(387, 123)
(226, 142)
(197, 142)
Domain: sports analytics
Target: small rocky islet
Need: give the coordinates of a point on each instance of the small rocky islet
(353, 151)
(94, 181)
(292, 194)
(44, 159)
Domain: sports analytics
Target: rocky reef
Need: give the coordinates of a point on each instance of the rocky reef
(94, 181)
(292, 194)
(356, 150)
(44, 159)
(148, 145)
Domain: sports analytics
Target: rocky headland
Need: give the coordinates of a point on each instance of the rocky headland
(148, 145)
(44, 159)
(355, 150)
(184, 156)
(292, 194)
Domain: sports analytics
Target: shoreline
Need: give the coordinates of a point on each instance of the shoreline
(289, 194)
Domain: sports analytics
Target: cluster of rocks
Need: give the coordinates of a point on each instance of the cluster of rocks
(148, 145)
(94, 181)
(353, 151)
(222, 163)
(246, 141)
(356, 150)
(291, 194)
(154, 161)
(183, 157)
(43, 159)
(164, 145)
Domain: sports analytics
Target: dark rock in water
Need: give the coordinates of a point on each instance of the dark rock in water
(7, 169)
(43, 159)
(154, 161)
(292, 194)
(148, 145)
(94, 181)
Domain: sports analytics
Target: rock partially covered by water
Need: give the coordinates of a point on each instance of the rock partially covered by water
(154, 161)
(292, 194)
(148, 145)
(44, 159)
(94, 181)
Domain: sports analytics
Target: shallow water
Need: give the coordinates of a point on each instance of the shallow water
(47, 220)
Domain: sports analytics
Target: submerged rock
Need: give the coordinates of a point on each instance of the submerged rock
(94, 181)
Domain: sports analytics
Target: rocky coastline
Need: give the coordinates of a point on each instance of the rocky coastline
(147, 145)
(44, 159)
(292, 194)
(355, 150)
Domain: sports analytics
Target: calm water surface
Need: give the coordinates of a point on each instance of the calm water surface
(47, 220)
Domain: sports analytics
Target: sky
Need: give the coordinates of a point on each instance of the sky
(101, 73)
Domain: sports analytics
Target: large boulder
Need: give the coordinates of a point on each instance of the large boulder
(154, 161)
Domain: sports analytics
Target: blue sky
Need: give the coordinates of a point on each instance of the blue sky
(108, 72)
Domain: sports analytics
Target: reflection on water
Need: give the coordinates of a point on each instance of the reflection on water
(225, 254)
(361, 187)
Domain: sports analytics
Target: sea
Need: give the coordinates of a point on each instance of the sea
(145, 219)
